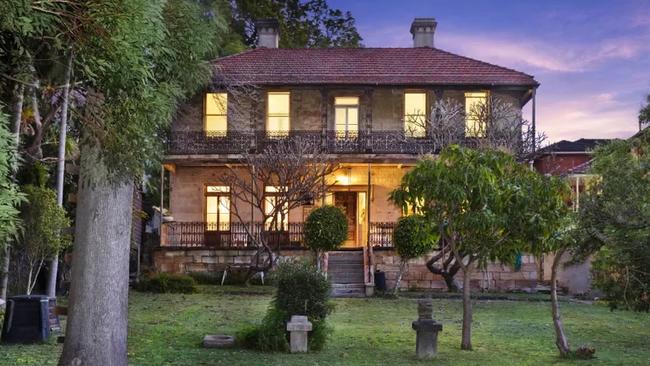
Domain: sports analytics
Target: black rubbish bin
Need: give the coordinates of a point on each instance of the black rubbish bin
(380, 280)
(26, 319)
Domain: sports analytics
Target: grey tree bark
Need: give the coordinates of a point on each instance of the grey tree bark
(560, 338)
(96, 330)
(466, 342)
(6, 258)
(402, 268)
(60, 170)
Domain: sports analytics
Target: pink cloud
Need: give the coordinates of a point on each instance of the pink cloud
(545, 56)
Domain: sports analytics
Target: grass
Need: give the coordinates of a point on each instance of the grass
(167, 330)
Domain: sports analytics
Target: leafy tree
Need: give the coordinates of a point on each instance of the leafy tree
(412, 238)
(480, 202)
(552, 230)
(325, 229)
(45, 237)
(615, 213)
(644, 114)
(310, 23)
(10, 197)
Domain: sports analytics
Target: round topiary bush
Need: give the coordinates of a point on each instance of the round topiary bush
(412, 238)
(325, 229)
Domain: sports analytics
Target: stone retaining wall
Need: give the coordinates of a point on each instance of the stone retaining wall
(185, 260)
(494, 277)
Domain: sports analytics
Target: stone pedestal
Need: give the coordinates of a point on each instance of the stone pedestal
(218, 341)
(298, 328)
(426, 341)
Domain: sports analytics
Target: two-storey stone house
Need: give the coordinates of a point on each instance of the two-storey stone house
(361, 104)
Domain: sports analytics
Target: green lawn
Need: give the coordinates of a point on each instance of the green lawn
(167, 330)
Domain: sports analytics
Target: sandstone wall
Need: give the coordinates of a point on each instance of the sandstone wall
(209, 260)
(495, 277)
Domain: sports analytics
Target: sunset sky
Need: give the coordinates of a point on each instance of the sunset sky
(592, 58)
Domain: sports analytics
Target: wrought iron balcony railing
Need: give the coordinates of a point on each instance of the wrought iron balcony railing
(235, 142)
(198, 234)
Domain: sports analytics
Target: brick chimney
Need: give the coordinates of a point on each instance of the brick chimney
(422, 30)
(268, 33)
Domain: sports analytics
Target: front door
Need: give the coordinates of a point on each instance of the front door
(347, 201)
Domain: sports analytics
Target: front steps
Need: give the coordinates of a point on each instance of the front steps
(345, 272)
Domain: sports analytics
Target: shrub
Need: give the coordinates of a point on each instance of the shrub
(167, 283)
(301, 290)
(325, 229)
(411, 237)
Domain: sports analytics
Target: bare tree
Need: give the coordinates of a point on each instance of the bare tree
(297, 168)
(494, 124)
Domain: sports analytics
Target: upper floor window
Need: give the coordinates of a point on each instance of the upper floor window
(277, 113)
(415, 116)
(278, 216)
(346, 115)
(216, 113)
(475, 103)
(217, 208)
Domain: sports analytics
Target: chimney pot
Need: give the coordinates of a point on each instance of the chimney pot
(423, 30)
(268, 33)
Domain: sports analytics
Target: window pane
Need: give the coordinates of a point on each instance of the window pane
(216, 189)
(415, 103)
(216, 103)
(346, 101)
(216, 124)
(278, 124)
(278, 103)
(473, 102)
(212, 204)
(346, 119)
(353, 118)
(275, 188)
(339, 118)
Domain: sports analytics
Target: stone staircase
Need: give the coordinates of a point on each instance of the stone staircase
(345, 272)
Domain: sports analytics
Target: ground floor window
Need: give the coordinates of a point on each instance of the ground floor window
(281, 215)
(217, 208)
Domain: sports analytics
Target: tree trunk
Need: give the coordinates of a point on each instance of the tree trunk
(560, 338)
(60, 170)
(96, 330)
(466, 343)
(402, 268)
(4, 272)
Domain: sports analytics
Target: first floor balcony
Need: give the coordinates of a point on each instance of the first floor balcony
(334, 142)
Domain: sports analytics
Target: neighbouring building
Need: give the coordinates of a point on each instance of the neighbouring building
(571, 160)
(359, 104)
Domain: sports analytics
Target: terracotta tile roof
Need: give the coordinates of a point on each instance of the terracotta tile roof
(364, 66)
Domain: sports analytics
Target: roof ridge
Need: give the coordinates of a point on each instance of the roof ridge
(485, 62)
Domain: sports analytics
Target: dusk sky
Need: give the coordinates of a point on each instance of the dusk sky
(592, 58)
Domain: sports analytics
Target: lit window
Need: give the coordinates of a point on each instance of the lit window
(217, 208)
(346, 115)
(415, 106)
(272, 196)
(475, 104)
(216, 113)
(277, 113)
